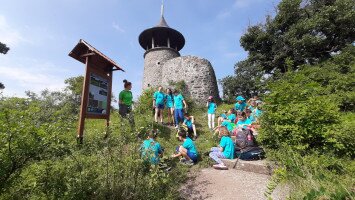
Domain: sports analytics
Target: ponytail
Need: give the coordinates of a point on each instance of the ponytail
(126, 83)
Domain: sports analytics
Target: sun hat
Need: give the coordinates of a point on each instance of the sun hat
(210, 97)
(240, 98)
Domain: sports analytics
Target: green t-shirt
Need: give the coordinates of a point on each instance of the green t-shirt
(228, 147)
(126, 97)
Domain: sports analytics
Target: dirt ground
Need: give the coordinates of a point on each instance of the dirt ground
(230, 184)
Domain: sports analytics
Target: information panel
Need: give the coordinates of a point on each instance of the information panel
(98, 95)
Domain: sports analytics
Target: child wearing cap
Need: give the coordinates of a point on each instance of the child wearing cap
(241, 104)
(151, 150)
(211, 112)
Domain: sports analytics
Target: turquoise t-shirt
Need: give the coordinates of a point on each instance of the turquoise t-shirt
(169, 101)
(243, 123)
(227, 124)
(257, 113)
(188, 122)
(224, 116)
(159, 98)
(240, 107)
(212, 108)
(251, 108)
(150, 150)
(190, 146)
(232, 117)
(228, 147)
(178, 101)
(252, 118)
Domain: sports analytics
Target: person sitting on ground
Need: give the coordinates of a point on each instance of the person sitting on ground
(179, 105)
(125, 99)
(211, 112)
(170, 106)
(158, 104)
(189, 123)
(252, 105)
(241, 104)
(257, 111)
(151, 150)
(243, 121)
(224, 150)
(250, 116)
(222, 117)
(231, 115)
(187, 150)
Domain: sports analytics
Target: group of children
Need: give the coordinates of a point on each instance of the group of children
(244, 115)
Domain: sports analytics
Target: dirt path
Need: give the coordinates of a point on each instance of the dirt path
(227, 184)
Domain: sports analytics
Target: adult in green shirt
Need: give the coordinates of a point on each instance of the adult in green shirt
(125, 99)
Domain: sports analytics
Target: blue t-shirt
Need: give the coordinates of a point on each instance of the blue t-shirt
(169, 101)
(190, 146)
(252, 118)
(232, 117)
(227, 124)
(150, 150)
(228, 147)
(212, 108)
(240, 107)
(178, 101)
(224, 116)
(159, 98)
(188, 122)
(243, 123)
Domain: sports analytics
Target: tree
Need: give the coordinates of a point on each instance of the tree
(2, 86)
(3, 48)
(302, 32)
(306, 32)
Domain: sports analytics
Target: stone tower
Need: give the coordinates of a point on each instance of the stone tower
(163, 64)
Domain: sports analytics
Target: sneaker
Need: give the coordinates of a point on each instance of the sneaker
(177, 127)
(187, 162)
(194, 138)
(220, 166)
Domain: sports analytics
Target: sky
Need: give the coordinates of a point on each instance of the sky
(41, 33)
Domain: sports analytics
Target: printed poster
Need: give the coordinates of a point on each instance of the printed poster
(98, 95)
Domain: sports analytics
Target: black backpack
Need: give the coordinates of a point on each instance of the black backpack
(244, 138)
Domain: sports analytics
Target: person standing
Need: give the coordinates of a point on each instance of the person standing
(125, 99)
(158, 104)
(179, 105)
(241, 104)
(211, 111)
(170, 106)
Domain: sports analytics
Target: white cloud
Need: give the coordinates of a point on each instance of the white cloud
(9, 35)
(118, 27)
(224, 15)
(34, 76)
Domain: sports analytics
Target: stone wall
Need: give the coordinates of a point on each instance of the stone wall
(154, 60)
(197, 73)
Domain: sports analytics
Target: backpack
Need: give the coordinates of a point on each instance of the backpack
(250, 153)
(244, 138)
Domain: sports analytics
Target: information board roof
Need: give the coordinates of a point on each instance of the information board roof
(83, 49)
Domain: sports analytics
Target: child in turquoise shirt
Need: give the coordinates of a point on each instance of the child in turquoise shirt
(224, 150)
(151, 150)
(241, 104)
(189, 122)
(187, 150)
(211, 112)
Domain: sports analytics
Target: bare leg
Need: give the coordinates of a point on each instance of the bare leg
(156, 114)
(183, 152)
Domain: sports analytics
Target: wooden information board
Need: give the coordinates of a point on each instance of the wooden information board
(97, 86)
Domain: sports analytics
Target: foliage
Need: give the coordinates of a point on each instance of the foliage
(247, 81)
(3, 48)
(2, 86)
(301, 32)
(39, 158)
(309, 129)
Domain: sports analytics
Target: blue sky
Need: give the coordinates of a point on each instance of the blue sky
(41, 33)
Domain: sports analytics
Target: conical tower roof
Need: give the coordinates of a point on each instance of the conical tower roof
(161, 32)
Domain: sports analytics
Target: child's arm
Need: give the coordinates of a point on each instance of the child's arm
(184, 103)
(192, 119)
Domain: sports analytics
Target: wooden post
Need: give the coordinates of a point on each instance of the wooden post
(84, 101)
(109, 74)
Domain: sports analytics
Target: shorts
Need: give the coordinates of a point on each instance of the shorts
(160, 106)
(191, 155)
(123, 110)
